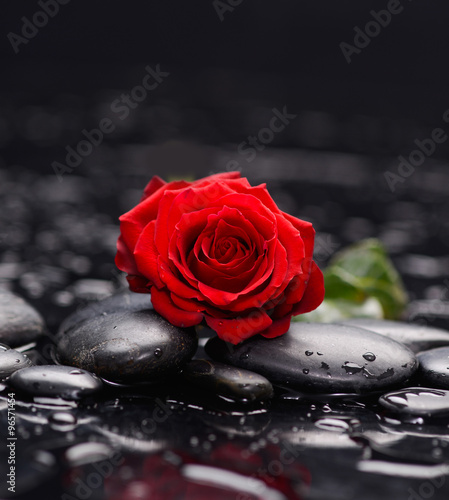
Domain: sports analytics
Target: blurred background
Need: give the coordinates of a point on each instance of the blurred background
(318, 99)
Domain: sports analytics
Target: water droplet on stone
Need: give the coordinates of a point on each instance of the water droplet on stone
(62, 421)
(4, 347)
(158, 352)
(352, 368)
(369, 356)
(306, 371)
(309, 353)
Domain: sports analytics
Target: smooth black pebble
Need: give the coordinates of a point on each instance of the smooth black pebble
(11, 361)
(434, 368)
(228, 381)
(20, 323)
(415, 337)
(138, 346)
(125, 301)
(417, 401)
(55, 381)
(322, 358)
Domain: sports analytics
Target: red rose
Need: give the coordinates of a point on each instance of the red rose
(221, 250)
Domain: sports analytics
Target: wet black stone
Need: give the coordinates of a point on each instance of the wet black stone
(434, 367)
(20, 323)
(138, 346)
(228, 381)
(64, 382)
(338, 364)
(417, 401)
(415, 337)
(11, 361)
(125, 301)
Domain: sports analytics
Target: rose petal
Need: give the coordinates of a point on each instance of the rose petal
(238, 329)
(163, 304)
(124, 259)
(314, 294)
(278, 327)
(155, 184)
(147, 256)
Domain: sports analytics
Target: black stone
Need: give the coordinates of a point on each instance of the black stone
(11, 361)
(125, 301)
(138, 346)
(417, 401)
(434, 367)
(55, 381)
(322, 358)
(415, 337)
(228, 381)
(20, 323)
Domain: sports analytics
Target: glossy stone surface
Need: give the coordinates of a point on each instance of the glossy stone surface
(125, 301)
(417, 401)
(322, 358)
(434, 367)
(20, 323)
(228, 381)
(415, 337)
(138, 346)
(11, 361)
(55, 381)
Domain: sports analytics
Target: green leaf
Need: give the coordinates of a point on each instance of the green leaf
(355, 277)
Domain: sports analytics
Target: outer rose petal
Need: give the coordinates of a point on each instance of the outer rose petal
(239, 329)
(314, 294)
(163, 304)
(277, 328)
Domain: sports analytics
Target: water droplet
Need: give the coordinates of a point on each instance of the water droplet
(62, 421)
(220, 323)
(352, 368)
(332, 424)
(4, 347)
(115, 327)
(309, 353)
(158, 352)
(319, 353)
(306, 371)
(17, 360)
(245, 355)
(76, 372)
(369, 356)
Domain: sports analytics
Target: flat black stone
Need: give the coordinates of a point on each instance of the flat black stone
(415, 337)
(20, 323)
(434, 367)
(138, 346)
(11, 361)
(322, 358)
(228, 381)
(417, 401)
(125, 301)
(55, 381)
